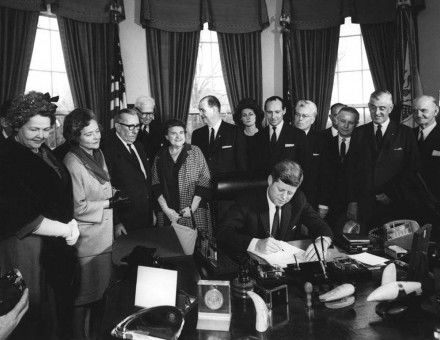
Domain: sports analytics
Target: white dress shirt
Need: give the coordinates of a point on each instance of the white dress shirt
(427, 130)
(384, 127)
(216, 127)
(135, 151)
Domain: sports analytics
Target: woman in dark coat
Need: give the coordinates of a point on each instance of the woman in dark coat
(249, 116)
(36, 214)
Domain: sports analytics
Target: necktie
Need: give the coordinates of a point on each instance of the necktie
(379, 136)
(211, 137)
(273, 138)
(276, 222)
(420, 139)
(343, 149)
(133, 155)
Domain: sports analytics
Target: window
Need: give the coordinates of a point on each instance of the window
(208, 79)
(353, 83)
(47, 71)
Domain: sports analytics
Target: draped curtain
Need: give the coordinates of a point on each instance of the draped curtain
(240, 56)
(172, 58)
(87, 48)
(309, 61)
(17, 36)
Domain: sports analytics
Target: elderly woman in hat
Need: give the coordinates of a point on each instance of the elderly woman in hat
(36, 209)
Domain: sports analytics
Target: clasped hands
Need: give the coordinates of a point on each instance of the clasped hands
(173, 215)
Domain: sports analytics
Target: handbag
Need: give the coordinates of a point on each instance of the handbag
(187, 236)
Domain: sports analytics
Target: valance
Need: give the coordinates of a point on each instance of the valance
(96, 11)
(225, 16)
(24, 5)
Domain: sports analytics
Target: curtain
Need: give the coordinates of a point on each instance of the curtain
(240, 56)
(309, 61)
(379, 40)
(172, 58)
(87, 52)
(17, 36)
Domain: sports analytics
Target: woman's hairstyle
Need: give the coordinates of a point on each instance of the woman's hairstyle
(74, 122)
(248, 103)
(172, 123)
(23, 107)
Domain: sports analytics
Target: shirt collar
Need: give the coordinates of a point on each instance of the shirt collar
(426, 131)
(384, 126)
(123, 141)
(216, 127)
(277, 128)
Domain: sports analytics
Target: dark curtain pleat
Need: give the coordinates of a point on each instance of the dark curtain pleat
(87, 52)
(309, 68)
(240, 56)
(172, 58)
(17, 36)
(379, 41)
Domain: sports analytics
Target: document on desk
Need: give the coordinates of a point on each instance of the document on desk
(282, 257)
(369, 259)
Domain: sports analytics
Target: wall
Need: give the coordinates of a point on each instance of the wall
(134, 53)
(429, 47)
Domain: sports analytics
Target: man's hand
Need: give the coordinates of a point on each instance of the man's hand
(74, 233)
(267, 245)
(172, 215)
(9, 321)
(383, 198)
(322, 211)
(120, 230)
(185, 212)
(311, 255)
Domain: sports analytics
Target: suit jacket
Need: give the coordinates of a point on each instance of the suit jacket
(95, 223)
(430, 160)
(291, 144)
(312, 180)
(128, 177)
(249, 218)
(372, 171)
(228, 154)
(151, 141)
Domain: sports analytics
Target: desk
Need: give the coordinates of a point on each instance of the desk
(361, 322)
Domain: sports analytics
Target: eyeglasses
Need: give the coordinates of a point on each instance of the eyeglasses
(303, 116)
(131, 127)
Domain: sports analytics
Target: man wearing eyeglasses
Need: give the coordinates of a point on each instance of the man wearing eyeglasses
(150, 133)
(304, 117)
(129, 171)
(279, 140)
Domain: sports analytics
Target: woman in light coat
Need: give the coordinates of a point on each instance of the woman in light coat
(93, 203)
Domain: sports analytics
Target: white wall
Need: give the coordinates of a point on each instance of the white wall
(134, 53)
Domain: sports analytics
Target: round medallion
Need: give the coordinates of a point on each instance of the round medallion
(213, 299)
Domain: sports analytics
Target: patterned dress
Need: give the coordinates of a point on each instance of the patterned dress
(180, 181)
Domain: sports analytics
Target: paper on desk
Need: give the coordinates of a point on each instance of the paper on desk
(369, 259)
(155, 287)
(283, 257)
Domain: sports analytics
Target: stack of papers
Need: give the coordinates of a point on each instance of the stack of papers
(283, 257)
(369, 259)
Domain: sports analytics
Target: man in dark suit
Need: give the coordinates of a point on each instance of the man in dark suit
(222, 144)
(428, 140)
(150, 134)
(279, 140)
(385, 157)
(333, 193)
(304, 117)
(129, 171)
(258, 220)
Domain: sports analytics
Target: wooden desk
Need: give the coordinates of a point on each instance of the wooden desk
(360, 322)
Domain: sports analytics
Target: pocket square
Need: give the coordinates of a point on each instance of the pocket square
(316, 154)
(289, 145)
(226, 146)
(398, 149)
(293, 228)
(436, 153)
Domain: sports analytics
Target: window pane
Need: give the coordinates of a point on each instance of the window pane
(204, 64)
(335, 93)
(57, 53)
(349, 29)
(349, 54)
(365, 63)
(41, 53)
(61, 88)
(368, 86)
(53, 24)
(43, 22)
(39, 81)
(350, 88)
